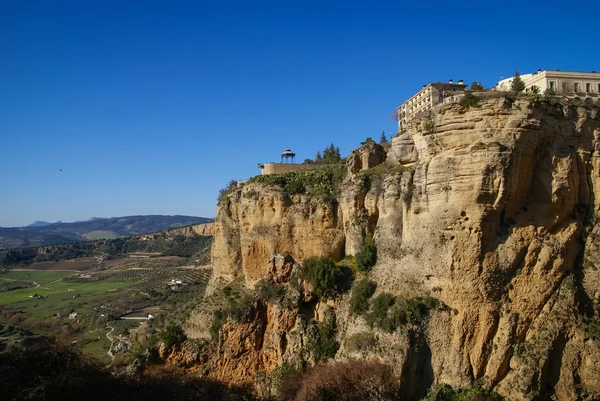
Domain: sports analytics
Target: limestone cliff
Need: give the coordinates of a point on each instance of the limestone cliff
(492, 210)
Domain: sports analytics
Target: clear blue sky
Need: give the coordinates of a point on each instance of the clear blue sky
(150, 107)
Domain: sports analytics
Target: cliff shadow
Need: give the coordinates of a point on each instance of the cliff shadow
(417, 371)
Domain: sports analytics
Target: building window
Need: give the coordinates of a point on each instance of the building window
(552, 85)
(576, 87)
(588, 87)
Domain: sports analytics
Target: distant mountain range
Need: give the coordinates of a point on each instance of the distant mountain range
(44, 233)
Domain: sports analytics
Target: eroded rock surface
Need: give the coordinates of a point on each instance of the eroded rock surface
(493, 216)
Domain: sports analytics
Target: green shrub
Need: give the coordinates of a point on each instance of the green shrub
(379, 309)
(223, 192)
(477, 87)
(367, 256)
(363, 341)
(428, 125)
(319, 182)
(444, 392)
(238, 306)
(592, 328)
(321, 337)
(362, 292)
(281, 374)
(172, 335)
(469, 100)
(533, 95)
(327, 279)
(388, 313)
(269, 291)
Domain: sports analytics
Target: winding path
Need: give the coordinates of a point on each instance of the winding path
(110, 353)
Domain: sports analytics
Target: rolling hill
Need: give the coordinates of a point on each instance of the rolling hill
(96, 228)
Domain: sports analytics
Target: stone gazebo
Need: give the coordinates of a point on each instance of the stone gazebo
(287, 164)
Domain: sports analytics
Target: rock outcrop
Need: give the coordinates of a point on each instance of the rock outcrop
(492, 210)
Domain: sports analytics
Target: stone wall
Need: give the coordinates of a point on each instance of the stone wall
(279, 168)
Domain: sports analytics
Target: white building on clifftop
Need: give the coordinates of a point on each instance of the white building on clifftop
(563, 82)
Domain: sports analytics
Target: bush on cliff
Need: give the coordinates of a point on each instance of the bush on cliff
(238, 307)
(269, 291)
(320, 337)
(367, 256)
(319, 182)
(326, 277)
(172, 335)
(388, 312)
(469, 100)
(444, 392)
(223, 192)
(361, 293)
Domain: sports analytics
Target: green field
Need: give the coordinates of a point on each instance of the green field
(40, 277)
(96, 235)
(59, 296)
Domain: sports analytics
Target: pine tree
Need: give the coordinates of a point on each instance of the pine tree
(383, 139)
(517, 84)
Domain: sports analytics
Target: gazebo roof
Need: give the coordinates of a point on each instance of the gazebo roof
(288, 152)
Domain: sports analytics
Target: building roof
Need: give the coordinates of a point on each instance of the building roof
(288, 152)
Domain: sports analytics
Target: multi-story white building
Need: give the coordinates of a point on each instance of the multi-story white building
(428, 97)
(559, 81)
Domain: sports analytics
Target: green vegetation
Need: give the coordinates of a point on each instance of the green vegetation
(533, 95)
(238, 305)
(361, 293)
(331, 155)
(444, 392)
(321, 337)
(326, 277)
(11, 285)
(592, 328)
(388, 312)
(57, 295)
(517, 85)
(39, 277)
(270, 292)
(428, 125)
(367, 256)
(197, 247)
(380, 171)
(96, 235)
(477, 87)
(469, 100)
(223, 192)
(319, 182)
(172, 335)
(362, 341)
(40, 369)
(383, 140)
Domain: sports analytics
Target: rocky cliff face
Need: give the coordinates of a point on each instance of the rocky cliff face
(492, 210)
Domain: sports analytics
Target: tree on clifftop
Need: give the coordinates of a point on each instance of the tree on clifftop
(383, 139)
(477, 87)
(517, 84)
(331, 155)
